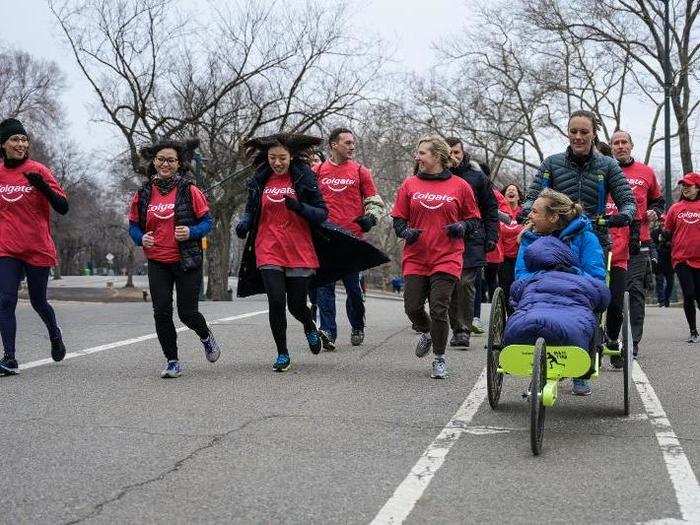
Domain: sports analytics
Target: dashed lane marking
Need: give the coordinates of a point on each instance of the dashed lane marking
(407, 494)
(133, 340)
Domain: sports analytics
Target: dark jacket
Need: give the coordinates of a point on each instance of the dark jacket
(191, 254)
(487, 229)
(339, 252)
(663, 249)
(583, 183)
(556, 300)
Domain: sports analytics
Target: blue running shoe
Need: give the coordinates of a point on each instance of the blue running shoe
(9, 366)
(282, 363)
(212, 351)
(581, 387)
(314, 339)
(172, 370)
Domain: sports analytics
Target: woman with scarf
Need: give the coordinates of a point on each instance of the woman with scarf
(434, 212)
(169, 216)
(28, 191)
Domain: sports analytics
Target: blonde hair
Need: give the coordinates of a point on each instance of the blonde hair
(560, 205)
(439, 148)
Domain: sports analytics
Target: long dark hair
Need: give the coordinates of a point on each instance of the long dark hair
(521, 195)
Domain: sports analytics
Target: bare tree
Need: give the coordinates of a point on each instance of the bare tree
(30, 89)
(635, 27)
(260, 69)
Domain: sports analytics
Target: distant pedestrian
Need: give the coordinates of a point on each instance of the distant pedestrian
(28, 190)
(397, 284)
(683, 228)
(665, 276)
(168, 217)
(434, 212)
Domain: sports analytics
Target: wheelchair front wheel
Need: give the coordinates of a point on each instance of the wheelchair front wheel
(539, 379)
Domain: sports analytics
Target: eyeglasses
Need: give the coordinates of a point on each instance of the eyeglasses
(166, 160)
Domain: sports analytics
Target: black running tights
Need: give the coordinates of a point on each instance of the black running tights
(282, 292)
(689, 278)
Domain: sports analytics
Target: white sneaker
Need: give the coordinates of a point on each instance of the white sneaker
(439, 370)
(477, 327)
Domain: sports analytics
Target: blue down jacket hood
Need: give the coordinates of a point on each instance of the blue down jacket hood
(557, 300)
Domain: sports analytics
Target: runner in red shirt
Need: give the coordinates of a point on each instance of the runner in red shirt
(683, 228)
(354, 204)
(508, 237)
(28, 190)
(434, 212)
(650, 206)
(169, 216)
(283, 202)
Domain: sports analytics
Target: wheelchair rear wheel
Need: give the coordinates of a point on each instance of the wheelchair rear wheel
(539, 379)
(627, 352)
(494, 343)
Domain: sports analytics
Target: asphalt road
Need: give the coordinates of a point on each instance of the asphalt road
(100, 438)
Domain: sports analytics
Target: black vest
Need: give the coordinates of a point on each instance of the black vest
(190, 250)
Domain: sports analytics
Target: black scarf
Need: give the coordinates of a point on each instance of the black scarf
(165, 186)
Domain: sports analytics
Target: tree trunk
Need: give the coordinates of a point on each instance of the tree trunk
(683, 138)
(57, 271)
(130, 268)
(218, 256)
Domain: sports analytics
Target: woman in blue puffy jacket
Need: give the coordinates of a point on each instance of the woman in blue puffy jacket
(560, 279)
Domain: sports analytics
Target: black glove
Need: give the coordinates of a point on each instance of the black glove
(37, 181)
(521, 217)
(57, 202)
(366, 222)
(490, 246)
(410, 235)
(292, 204)
(456, 230)
(617, 221)
(243, 227)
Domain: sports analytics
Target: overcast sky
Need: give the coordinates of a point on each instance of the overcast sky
(409, 25)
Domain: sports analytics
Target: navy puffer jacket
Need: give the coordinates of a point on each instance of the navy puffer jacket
(580, 182)
(557, 301)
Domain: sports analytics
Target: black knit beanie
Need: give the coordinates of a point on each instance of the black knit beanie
(9, 127)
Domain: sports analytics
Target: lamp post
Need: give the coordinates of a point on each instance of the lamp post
(667, 105)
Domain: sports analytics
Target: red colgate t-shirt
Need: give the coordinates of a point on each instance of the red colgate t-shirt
(160, 219)
(509, 233)
(25, 226)
(620, 238)
(344, 188)
(430, 205)
(283, 237)
(683, 221)
(645, 187)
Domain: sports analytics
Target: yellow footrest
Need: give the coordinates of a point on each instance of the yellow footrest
(562, 361)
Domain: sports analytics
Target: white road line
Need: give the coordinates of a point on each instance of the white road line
(683, 479)
(407, 494)
(133, 340)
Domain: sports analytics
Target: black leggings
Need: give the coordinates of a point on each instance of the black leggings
(689, 279)
(618, 278)
(11, 273)
(283, 291)
(491, 277)
(161, 279)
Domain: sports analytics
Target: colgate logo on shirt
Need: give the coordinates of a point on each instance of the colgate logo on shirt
(610, 208)
(162, 211)
(336, 184)
(278, 194)
(689, 217)
(431, 201)
(14, 193)
(636, 182)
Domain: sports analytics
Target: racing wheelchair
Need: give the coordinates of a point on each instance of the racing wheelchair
(547, 365)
